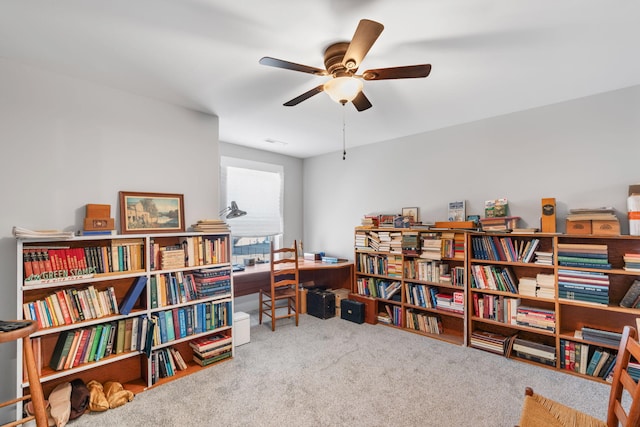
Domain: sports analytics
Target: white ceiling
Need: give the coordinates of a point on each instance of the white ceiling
(489, 57)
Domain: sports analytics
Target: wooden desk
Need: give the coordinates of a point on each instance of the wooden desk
(334, 276)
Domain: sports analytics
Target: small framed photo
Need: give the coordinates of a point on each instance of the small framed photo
(411, 213)
(151, 212)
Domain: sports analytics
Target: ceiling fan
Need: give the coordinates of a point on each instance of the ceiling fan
(342, 61)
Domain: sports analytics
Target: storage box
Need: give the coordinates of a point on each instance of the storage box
(241, 328)
(579, 227)
(321, 303)
(352, 311)
(99, 224)
(312, 256)
(98, 211)
(602, 227)
(341, 294)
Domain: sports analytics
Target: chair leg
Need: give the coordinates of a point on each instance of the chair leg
(273, 313)
(260, 307)
(35, 388)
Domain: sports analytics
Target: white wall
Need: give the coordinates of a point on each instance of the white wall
(583, 152)
(66, 143)
(293, 198)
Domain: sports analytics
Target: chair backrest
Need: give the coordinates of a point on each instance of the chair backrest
(284, 266)
(622, 380)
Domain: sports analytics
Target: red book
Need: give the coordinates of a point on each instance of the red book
(79, 357)
(26, 261)
(64, 307)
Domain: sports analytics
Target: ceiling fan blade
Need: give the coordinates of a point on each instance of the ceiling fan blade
(408, 72)
(361, 102)
(308, 94)
(279, 63)
(366, 34)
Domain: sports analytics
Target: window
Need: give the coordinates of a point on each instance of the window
(257, 188)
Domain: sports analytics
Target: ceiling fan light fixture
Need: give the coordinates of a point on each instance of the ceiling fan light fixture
(343, 89)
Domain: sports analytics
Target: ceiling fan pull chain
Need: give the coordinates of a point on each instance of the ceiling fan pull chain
(344, 144)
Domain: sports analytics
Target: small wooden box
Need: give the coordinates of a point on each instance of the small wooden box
(605, 227)
(98, 224)
(98, 211)
(579, 227)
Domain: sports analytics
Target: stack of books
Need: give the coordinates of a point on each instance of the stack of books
(211, 349)
(489, 341)
(583, 255)
(450, 301)
(631, 262)
(600, 336)
(211, 226)
(431, 246)
(546, 286)
(535, 317)
(172, 257)
(535, 351)
(503, 223)
(585, 286)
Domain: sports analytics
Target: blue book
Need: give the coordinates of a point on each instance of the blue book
(126, 305)
(171, 333)
(162, 324)
(182, 319)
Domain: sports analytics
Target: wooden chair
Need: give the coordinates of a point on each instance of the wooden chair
(540, 411)
(36, 396)
(284, 292)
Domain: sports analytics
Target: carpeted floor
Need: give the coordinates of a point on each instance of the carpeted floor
(337, 373)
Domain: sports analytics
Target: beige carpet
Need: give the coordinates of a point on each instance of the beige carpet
(337, 373)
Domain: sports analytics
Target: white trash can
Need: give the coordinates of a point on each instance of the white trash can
(241, 328)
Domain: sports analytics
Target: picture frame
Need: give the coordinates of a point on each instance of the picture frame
(412, 213)
(151, 212)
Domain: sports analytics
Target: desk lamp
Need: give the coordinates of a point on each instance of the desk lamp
(232, 211)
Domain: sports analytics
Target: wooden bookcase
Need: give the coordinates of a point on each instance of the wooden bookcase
(498, 316)
(571, 315)
(143, 258)
(386, 259)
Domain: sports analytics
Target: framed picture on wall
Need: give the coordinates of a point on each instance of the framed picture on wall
(151, 212)
(411, 213)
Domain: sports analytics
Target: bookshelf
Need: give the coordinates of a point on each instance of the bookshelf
(415, 279)
(139, 309)
(572, 318)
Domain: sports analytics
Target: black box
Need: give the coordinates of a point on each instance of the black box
(321, 303)
(352, 311)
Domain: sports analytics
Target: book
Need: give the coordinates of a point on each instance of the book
(126, 305)
(61, 350)
(457, 211)
(631, 296)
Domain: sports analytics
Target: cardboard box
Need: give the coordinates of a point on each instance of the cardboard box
(579, 227)
(340, 295)
(98, 211)
(634, 189)
(602, 227)
(99, 224)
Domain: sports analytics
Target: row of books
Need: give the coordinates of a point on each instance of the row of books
(586, 359)
(496, 307)
(428, 271)
(69, 306)
(179, 287)
(541, 286)
(583, 255)
(197, 250)
(211, 349)
(493, 277)
(378, 288)
(534, 351)
(91, 344)
(190, 320)
(392, 315)
(421, 295)
(535, 317)
(423, 322)
(450, 301)
(490, 341)
(383, 265)
(494, 248)
(585, 286)
(41, 264)
(165, 362)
